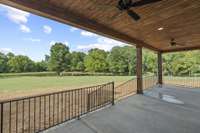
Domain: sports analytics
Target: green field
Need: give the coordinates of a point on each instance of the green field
(13, 87)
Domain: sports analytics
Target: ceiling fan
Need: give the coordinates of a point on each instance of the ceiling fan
(173, 43)
(127, 6)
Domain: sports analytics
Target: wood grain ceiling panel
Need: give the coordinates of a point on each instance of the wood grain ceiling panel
(179, 18)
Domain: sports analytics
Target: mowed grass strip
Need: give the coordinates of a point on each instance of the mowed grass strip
(31, 85)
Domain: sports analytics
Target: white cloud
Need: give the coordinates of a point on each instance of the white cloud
(25, 28)
(47, 29)
(32, 39)
(102, 43)
(72, 29)
(88, 34)
(95, 45)
(5, 50)
(8, 50)
(52, 43)
(64, 42)
(16, 15)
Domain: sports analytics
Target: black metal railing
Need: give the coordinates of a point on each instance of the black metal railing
(187, 81)
(126, 89)
(149, 81)
(38, 113)
(130, 87)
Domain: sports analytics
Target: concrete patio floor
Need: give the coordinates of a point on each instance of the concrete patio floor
(143, 114)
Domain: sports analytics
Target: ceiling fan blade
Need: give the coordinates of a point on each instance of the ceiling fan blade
(174, 44)
(143, 2)
(133, 14)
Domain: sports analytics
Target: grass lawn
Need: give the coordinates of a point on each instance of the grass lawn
(13, 87)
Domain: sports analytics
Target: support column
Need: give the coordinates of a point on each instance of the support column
(139, 70)
(160, 75)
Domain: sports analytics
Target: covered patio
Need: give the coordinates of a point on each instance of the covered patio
(159, 25)
(143, 114)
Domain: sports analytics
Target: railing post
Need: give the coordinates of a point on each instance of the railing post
(1, 131)
(113, 93)
(160, 75)
(139, 70)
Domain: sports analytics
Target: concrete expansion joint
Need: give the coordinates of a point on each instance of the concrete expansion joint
(90, 126)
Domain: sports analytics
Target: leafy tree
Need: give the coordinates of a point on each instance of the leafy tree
(167, 64)
(182, 63)
(149, 62)
(41, 66)
(3, 63)
(95, 61)
(122, 60)
(47, 57)
(10, 55)
(59, 58)
(130, 56)
(116, 60)
(21, 63)
(77, 61)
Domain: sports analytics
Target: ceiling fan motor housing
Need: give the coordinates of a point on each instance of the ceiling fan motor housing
(124, 4)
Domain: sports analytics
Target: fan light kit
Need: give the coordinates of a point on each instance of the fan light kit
(161, 28)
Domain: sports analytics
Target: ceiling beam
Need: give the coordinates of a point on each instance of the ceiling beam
(181, 49)
(45, 9)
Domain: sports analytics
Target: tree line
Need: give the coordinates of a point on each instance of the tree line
(120, 60)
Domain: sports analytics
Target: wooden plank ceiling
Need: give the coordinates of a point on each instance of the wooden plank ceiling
(178, 19)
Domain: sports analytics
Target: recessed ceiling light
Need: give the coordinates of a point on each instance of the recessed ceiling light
(161, 28)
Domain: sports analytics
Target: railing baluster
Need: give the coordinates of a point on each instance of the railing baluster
(29, 115)
(58, 102)
(72, 104)
(53, 108)
(61, 107)
(16, 121)
(23, 116)
(34, 118)
(44, 111)
(69, 115)
(49, 110)
(78, 105)
(65, 107)
(58, 107)
(87, 97)
(94, 98)
(40, 113)
(10, 116)
(81, 101)
(1, 131)
(85, 100)
(75, 103)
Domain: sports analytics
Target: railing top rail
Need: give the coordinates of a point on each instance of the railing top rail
(146, 76)
(49, 94)
(134, 79)
(125, 82)
(181, 76)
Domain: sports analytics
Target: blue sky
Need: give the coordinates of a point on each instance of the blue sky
(31, 35)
